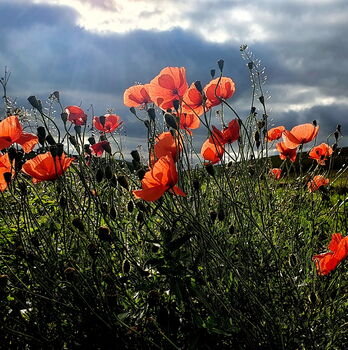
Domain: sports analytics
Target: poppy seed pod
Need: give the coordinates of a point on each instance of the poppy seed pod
(126, 266)
(77, 222)
(35, 103)
(221, 64)
(262, 100)
(314, 122)
(122, 180)
(135, 155)
(210, 169)
(212, 73)
(171, 121)
(104, 234)
(130, 206)
(108, 172)
(50, 140)
(99, 176)
(64, 117)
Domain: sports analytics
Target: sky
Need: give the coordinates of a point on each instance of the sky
(92, 50)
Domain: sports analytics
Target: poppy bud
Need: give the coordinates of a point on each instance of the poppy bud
(104, 207)
(77, 222)
(221, 215)
(63, 202)
(3, 281)
(292, 260)
(7, 177)
(314, 122)
(99, 176)
(50, 140)
(35, 103)
(198, 86)
(56, 94)
(250, 65)
(104, 234)
(151, 113)
(312, 297)
(64, 117)
(155, 248)
(334, 146)
(262, 100)
(336, 134)
(77, 128)
(106, 147)
(113, 181)
(87, 150)
(70, 273)
(41, 134)
(141, 173)
(113, 213)
(213, 216)
(252, 110)
(91, 140)
(135, 155)
(92, 250)
(212, 73)
(23, 188)
(176, 104)
(54, 150)
(130, 206)
(210, 169)
(108, 172)
(140, 217)
(11, 153)
(171, 121)
(257, 137)
(60, 149)
(125, 266)
(122, 180)
(221, 64)
(196, 185)
(338, 127)
(72, 140)
(132, 110)
(231, 230)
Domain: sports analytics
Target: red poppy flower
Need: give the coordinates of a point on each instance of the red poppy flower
(321, 153)
(161, 178)
(275, 133)
(327, 262)
(5, 167)
(168, 86)
(318, 181)
(286, 152)
(299, 135)
(45, 167)
(212, 149)
(167, 144)
(99, 148)
(137, 95)
(189, 121)
(11, 131)
(231, 133)
(76, 115)
(107, 122)
(276, 173)
(193, 101)
(218, 89)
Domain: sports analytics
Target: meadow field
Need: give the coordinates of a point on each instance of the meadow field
(240, 243)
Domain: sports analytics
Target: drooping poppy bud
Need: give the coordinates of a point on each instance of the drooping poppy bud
(122, 180)
(130, 206)
(221, 64)
(262, 100)
(171, 121)
(35, 103)
(212, 73)
(135, 155)
(99, 176)
(108, 172)
(91, 140)
(126, 266)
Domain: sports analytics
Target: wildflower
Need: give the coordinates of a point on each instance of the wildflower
(275, 133)
(107, 122)
(99, 148)
(218, 89)
(212, 149)
(193, 101)
(5, 167)
(231, 132)
(45, 167)
(286, 152)
(327, 262)
(167, 144)
(169, 85)
(136, 96)
(161, 178)
(300, 134)
(76, 115)
(321, 153)
(318, 181)
(276, 173)
(11, 131)
(189, 121)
